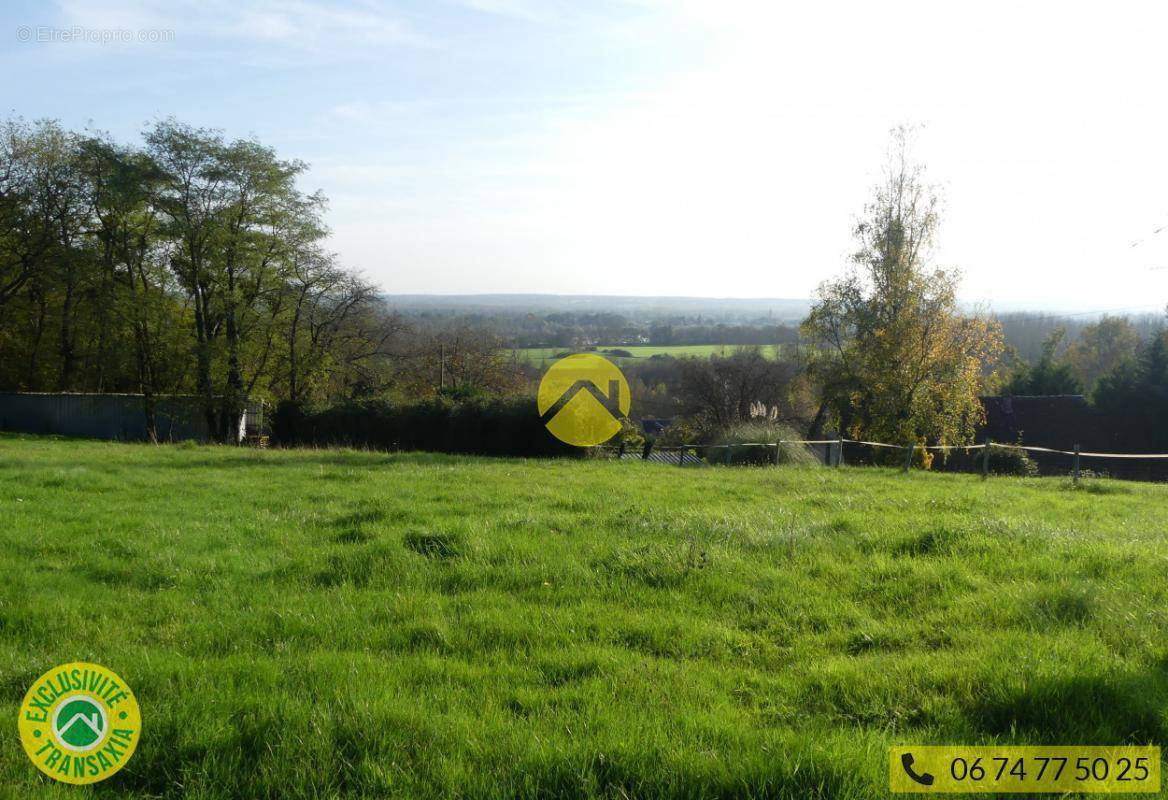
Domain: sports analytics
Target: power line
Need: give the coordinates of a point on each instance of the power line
(1138, 242)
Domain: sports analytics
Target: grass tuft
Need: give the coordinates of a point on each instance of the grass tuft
(441, 546)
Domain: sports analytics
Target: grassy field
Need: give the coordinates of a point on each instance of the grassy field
(343, 624)
(540, 355)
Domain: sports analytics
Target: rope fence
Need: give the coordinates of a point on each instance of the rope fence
(686, 453)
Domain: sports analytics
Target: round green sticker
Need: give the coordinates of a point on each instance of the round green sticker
(79, 723)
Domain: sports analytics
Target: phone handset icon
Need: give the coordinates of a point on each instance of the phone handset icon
(925, 779)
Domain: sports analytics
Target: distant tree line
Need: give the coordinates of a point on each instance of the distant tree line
(723, 334)
(1102, 348)
(567, 329)
(1026, 333)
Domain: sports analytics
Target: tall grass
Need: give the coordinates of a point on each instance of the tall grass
(753, 432)
(338, 624)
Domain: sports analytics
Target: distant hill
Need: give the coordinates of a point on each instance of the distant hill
(779, 309)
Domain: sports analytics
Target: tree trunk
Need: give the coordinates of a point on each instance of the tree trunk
(233, 397)
(30, 381)
(816, 429)
(146, 380)
(67, 348)
(203, 365)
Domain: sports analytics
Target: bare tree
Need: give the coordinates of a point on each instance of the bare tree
(721, 390)
(335, 331)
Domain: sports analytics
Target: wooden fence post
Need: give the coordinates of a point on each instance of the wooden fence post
(681, 456)
(839, 453)
(985, 459)
(908, 454)
(778, 451)
(621, 453)
(1075, 480)
(648, 448)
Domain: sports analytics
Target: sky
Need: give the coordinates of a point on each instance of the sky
(719, 148)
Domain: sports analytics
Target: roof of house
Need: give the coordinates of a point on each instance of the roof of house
(655, 427)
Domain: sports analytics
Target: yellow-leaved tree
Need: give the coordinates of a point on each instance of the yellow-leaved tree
(893, 355)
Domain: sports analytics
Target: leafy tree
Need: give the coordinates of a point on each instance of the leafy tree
(333, 335)
(192, 198)
(64, 197)
(130, 246)
(239, 226)
(720, 390)
(253, 238)
(43, 202)
(25, 222)
(1134, 397)
(894, 357)
(1101, 346)
(459, 361)
(190, 264)
(1049, 375)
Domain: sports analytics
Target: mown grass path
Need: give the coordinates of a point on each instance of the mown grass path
(343, 624)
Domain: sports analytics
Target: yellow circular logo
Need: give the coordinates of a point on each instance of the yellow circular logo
(79, 723)
(582, 399)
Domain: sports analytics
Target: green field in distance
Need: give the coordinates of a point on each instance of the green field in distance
(539, 355)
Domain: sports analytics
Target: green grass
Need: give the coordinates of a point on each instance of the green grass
(344, 624)
(540, 355)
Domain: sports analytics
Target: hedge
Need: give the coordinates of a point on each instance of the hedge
(483, 427)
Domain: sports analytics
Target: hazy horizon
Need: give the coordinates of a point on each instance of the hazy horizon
(468, 298)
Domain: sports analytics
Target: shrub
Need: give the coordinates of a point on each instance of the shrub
(761, 434)
(475, 426)
(1004, 460)
(1011, 461)
(681, 431)
(630, 436)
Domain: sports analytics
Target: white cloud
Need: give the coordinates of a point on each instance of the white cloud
(528, 10)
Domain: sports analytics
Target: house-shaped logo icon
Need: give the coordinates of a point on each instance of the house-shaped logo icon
(582, 399)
